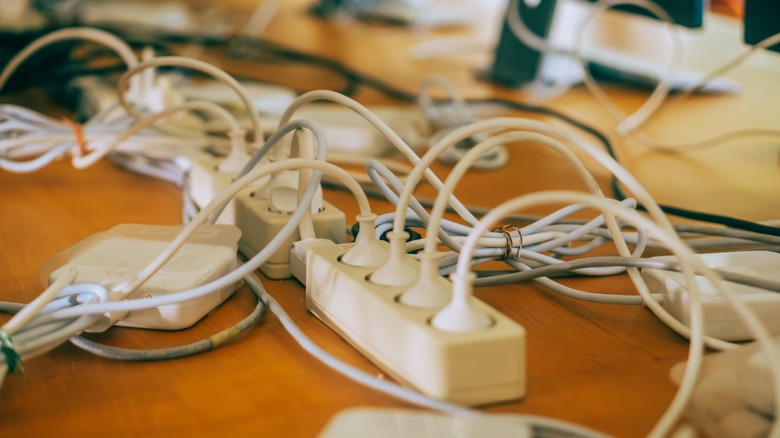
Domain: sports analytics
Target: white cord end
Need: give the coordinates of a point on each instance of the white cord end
(367, 252)
(283, 193)
(428, 292)
(399, 270)
(461, 315)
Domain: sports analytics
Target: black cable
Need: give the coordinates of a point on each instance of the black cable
(353, 76)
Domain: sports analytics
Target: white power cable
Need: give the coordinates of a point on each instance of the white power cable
(195, 64)
(381, 126)
(690, 264)
(630, 124)
(199, 219)
(659, 94)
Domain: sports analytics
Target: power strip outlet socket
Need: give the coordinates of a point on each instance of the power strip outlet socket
(720, 319)
(474, 368)
(259, 225)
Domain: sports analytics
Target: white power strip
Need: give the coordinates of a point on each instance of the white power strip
(252, 215)
(720, 319)
(259, 225)
(473, 368)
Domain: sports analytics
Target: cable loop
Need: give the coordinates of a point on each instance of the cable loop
(506, 230)
(12, 357)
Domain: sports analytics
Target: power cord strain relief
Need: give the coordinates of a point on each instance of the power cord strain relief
(428, 292)
(461, 315)
(399, 269)
(367, 251)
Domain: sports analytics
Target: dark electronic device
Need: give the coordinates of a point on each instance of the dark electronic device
(516, 64)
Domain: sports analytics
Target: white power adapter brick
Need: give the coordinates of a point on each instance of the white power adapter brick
(720, 319)
(111, 258)
(474, 368)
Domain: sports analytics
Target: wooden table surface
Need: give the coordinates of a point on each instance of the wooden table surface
(602, 366)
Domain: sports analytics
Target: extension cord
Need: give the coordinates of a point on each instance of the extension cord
(720, 319)
(252, 215)
(472, 368)
(259, 225)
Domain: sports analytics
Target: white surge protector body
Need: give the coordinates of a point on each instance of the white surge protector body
(116, 256)
(472, 368)
(720, 319)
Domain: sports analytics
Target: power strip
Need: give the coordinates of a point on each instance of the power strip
(252, 215)
(473, 368)
(259, 225)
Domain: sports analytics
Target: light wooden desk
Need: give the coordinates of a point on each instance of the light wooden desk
(603, 366)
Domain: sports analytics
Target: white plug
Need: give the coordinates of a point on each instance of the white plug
(298, 255)
(283, 193)
(238, 156)
(428, 292)
(287, 185)
(399, 269)
(367, 251)
(461, 315)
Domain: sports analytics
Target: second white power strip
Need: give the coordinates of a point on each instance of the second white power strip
(473, 368)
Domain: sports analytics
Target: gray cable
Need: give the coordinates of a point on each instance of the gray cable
(201, 346)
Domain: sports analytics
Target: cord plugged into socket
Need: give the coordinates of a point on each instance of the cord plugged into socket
(283, 194)
(399, 269)
(238, 156)
(367, 251)
(461, 315)
(430, 291)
